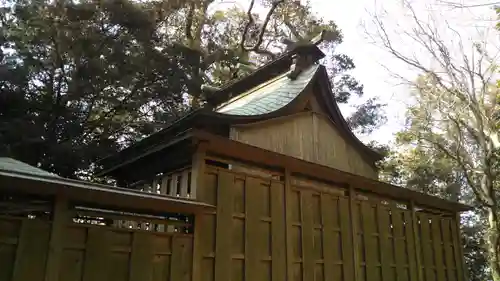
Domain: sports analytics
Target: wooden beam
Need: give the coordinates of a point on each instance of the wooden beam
(246, 153)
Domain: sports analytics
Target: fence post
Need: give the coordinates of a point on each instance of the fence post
(60, 216)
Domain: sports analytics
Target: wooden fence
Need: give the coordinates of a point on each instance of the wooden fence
(92, 251)
(281, 227)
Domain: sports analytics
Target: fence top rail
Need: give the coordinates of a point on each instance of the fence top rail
(105, 195)
(231, 149)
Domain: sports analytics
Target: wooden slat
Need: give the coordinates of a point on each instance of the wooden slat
(60, 218)
(197, 180)
(164, 185)
(327, 216)
(152, 189)
(184, 184)
(198, 171)
(399, 243)
(416, 227)
(307, 235)
(97, 255)
(180, 268)
(354, 232)
(348, 249)
(173, 185)
(384, 223)
(369, 228)
(458, 249)
(426, 246)
(448, 249)
(410, 245)
(278, 244)
(288, 225)
(253, 237)
(142, 257)
(438, 250)
(31, 251)
(154, 186)
(224, 221)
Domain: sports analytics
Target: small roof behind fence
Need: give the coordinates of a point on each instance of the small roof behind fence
(19, 177)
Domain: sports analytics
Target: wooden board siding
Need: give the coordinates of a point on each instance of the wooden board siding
(309, 136)
(298, 229)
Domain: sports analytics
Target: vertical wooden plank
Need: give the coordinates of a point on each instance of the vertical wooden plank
(327, 216)
(307, 235)
(180, 263)
(31, 253)
(60, 217)
(459, 256)
(223, 224)
(174, 188)
(438, 250)
(141, 260)
(288, 225)
(416, 237)
(253, 236)
(448, 252)
(348, 250)
(278, 244)
(154, 186)
(399, 244)
(198, 170)
(410, 245)
(97, 255)
(426, 246)
(369, 229)
(354, 231)
(164, 185)
(197, 181)
(184, 184)
(384, 225)
(153, 189)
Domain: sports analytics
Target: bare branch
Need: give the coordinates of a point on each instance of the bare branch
(455, 5)
(189, 23)
(262, 30)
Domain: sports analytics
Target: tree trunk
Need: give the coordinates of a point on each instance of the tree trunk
(492, 240)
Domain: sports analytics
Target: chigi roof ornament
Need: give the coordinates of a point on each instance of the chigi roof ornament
(306, 52)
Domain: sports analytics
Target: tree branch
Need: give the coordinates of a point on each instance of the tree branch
(262, 30)
(189, 23)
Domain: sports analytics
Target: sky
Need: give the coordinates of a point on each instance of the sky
(353, 18)
(372, 63)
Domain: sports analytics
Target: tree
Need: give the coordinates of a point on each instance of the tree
(74, 84)
(83, 79)
(453, 124)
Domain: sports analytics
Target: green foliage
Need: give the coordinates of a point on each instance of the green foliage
(440, 152)
(75, 85)
(81, 80)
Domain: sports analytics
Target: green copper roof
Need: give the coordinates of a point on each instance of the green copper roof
(12, 165)
(269, 96)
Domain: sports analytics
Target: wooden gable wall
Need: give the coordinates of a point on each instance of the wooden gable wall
(308, 135)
